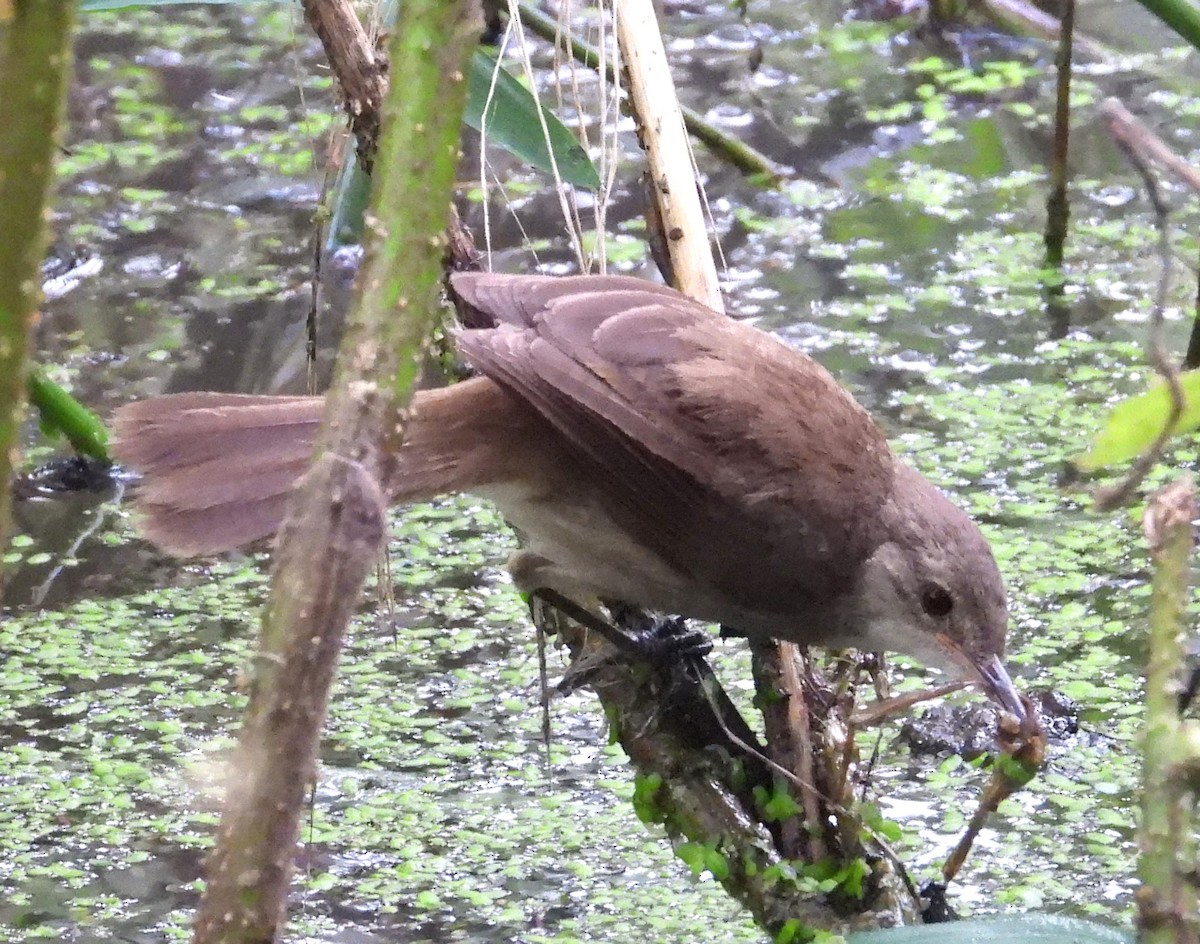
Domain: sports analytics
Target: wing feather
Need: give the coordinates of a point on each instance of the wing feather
(734, 457)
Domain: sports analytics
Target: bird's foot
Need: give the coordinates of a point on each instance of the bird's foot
(662, 640)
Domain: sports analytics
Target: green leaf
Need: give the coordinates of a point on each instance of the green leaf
(875, 822)
(646, 798)
(716, 864)
(513, 124)
(693, 855)
(1134, 424)
(1016, 771)
(351, 193)
(1008, 929)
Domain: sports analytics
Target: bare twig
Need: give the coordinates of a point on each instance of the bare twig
(660, 127)
(874, 713)
(1133, 136)
(361, 70)
(1022, 755)
(1023, 17)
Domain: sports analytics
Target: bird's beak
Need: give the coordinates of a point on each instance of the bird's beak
(1000, 689)
(993, 678)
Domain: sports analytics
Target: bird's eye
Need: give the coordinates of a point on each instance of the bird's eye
(936, 600)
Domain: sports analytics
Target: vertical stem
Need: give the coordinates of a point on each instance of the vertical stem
(35, 66)
(1057, 206)
(1167, 899)
(1191, 360)
(335, 523)
(1057, 209)
(656, 109)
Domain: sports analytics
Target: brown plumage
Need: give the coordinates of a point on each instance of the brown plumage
(650, 451)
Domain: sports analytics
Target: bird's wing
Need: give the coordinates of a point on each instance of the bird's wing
(729, 454)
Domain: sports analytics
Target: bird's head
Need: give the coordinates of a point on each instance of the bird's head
(932, 590)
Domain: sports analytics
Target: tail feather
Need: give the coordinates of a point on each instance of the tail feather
(213, 484)
(198, 532)
(217, 468)
(186, 429)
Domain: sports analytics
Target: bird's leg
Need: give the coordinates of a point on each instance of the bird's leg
(586, 618)
(644, 644)
(656, 640)
(653, 639)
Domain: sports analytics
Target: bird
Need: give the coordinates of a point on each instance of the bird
(649, 450)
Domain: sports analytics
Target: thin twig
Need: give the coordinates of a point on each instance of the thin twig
(1133, 135)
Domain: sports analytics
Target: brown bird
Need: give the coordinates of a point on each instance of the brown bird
(651, 451)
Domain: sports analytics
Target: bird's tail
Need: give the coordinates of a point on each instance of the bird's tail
(217, 468)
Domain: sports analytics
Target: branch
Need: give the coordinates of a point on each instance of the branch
(1167, 899)
(35, 67)
(660, 127)
(339, 507)
(361, 72)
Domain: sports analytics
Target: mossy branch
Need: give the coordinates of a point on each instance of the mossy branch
(35, 67)
(336, 520)
(1167, 899)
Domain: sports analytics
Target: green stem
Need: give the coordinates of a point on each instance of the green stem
(35, 66)
(336, 521)
(62, 413)
(1057, 207)
(1167, 899)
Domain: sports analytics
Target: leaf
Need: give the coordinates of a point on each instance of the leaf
(1007, 929)
(1134, 424)
(513, 124)
(351, 194)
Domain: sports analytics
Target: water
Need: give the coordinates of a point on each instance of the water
(904, 255)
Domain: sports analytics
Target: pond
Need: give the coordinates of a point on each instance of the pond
(905, 254)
